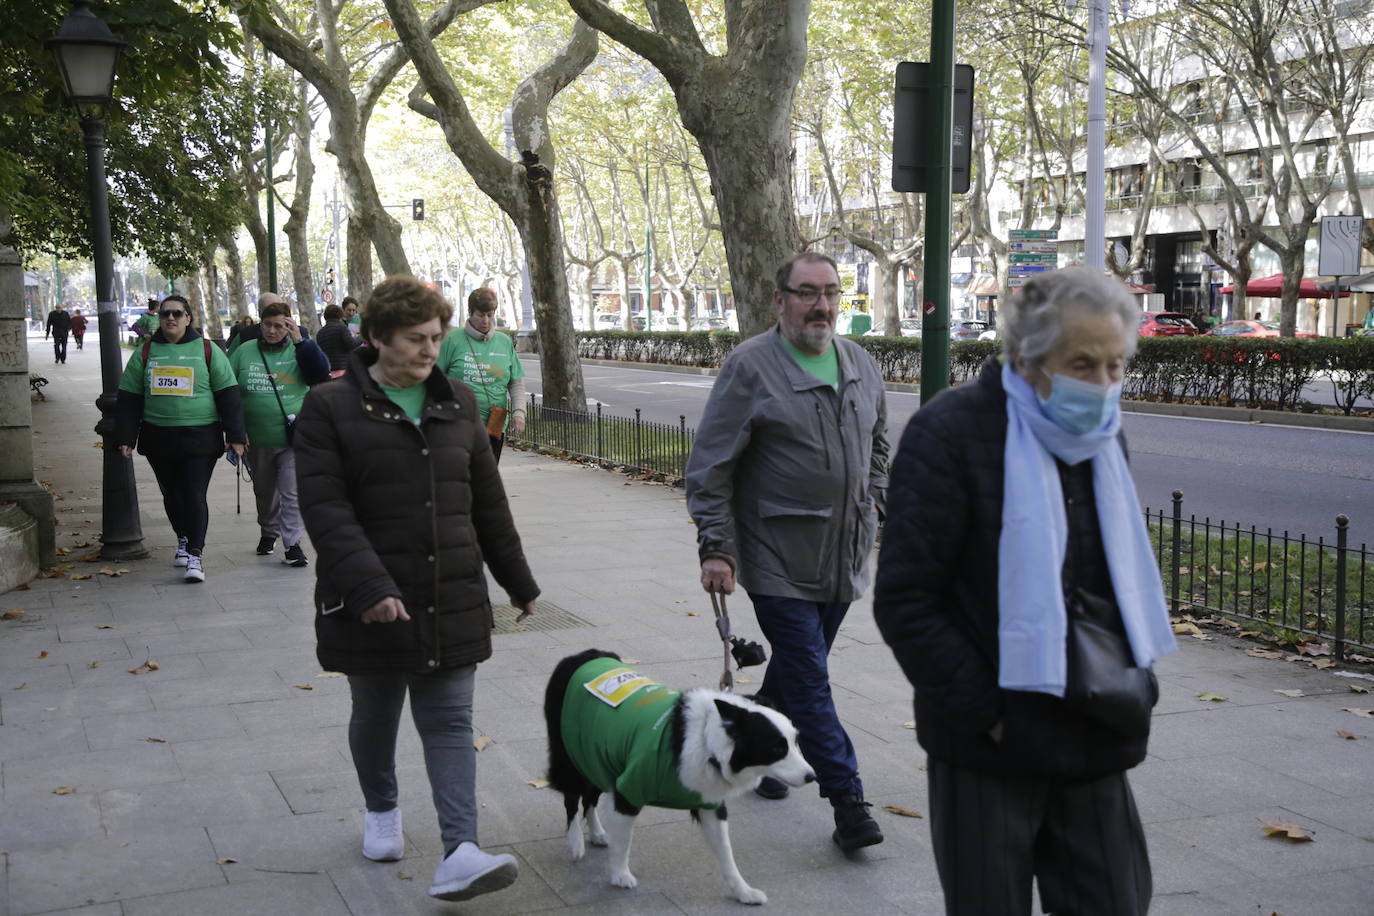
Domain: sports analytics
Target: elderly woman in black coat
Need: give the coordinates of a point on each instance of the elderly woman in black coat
(401, 497)
(1017, 588)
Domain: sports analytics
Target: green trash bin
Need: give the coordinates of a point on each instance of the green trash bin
(853, 323)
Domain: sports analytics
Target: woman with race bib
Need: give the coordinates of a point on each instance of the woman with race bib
(484, 359)
(179, 400)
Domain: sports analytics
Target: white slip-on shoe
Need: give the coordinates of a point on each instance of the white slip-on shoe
(195, 569)
(179, 558)
(382, 837)
(469, 871)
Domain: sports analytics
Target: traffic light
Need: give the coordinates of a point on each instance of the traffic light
(417, 209)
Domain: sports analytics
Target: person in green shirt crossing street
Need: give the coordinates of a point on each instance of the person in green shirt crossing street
(275, 370)
(484, 359)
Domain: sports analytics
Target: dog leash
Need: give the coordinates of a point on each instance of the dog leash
(727, 681)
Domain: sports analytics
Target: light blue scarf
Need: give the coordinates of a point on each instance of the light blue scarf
(1032, 623)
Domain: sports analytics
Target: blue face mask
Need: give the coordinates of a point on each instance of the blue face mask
(1080, 407)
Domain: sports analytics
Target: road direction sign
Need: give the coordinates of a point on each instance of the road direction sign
(1031, 235)
(1339, 254)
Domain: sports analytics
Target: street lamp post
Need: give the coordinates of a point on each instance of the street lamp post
(86, 52)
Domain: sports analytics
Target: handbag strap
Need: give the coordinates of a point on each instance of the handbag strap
(727, 681)
(272, 380)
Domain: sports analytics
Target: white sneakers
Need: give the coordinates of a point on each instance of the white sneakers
(382, 838)
(469, 871)
(195, 570)
(180, 558)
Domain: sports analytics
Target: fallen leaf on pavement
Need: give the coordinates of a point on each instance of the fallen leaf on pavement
(303, 686)
(22, 686)
(106, 626)
(1202, 636)
(405, 877)
(1356, 688)
(1316, 649)
(154, 740)
(911, 724)
(63, 551)
(693, 614)
(744, 680)
(1186, 628)
(64, 790)
(1289, 693)
(329, 674)
(43, 653)
(1362, 713)
(145, 668)
(90, 557)
(79, 576)
(112, 573)
(904, 812)
(1210, 697)
(1257, 652)
(539, 783)
(227, 860)
(94, 664)
(13, 615)
(1322, 663)
(481, 742)
(1342, 733)
(1284, 830)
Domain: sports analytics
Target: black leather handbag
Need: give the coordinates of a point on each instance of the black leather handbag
(1104, 682)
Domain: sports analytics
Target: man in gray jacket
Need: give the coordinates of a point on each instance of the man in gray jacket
(785, 482)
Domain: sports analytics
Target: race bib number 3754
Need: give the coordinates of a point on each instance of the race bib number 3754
(176, 381)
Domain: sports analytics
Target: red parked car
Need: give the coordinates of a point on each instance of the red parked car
(1248, 328)
(1167, 324)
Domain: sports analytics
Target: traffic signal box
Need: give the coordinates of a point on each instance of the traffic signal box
(914, 155)
(417, 209)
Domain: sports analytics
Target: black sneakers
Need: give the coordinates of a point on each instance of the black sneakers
(855, 828)
(295, 556)
(265, 546)
(771, 788)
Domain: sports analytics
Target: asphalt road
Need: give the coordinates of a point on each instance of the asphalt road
(1287, 478)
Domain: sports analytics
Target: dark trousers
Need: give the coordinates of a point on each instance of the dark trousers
(184, 481)
(59, 347)
(80, 336)
(800, 634)
(1081, 842)
(496, 446)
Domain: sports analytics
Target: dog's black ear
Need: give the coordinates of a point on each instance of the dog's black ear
(729, 712)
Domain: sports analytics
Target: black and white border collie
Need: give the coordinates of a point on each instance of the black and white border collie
(722, 745)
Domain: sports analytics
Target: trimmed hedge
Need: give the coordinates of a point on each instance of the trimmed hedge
(1254, 372)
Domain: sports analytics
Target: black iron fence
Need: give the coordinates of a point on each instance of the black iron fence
(1291, 583)
(632, 443)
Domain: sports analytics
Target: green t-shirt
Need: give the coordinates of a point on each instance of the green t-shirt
(148, 323)
(261, 414)
(177, 389)
(411, 399)
(627, 746)
(825, 367)
(485, 366)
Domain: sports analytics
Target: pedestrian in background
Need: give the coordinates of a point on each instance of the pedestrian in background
(484, 359)
(179, 401)
(785, 482)
(351, 315)
(274, 373)
(403, 502)
(58, 327)
(78, 328)
(147, 324)
(245, 322)
(336, 340)
(1014, 534)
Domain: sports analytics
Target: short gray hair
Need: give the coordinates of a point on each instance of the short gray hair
(1033, 321)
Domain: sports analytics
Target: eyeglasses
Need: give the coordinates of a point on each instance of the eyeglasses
(809, 295)
(171, 313)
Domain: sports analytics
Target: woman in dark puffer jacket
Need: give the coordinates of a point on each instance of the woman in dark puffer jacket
(401, 497)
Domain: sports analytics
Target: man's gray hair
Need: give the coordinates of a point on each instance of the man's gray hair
(784, 277)
(1032, 323)
(267, 298)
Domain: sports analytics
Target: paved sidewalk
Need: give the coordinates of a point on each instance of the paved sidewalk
(221, 784)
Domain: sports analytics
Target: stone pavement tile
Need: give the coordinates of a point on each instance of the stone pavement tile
(35, 676)
(196, 802)
(1217, 785)
(1219, 729)
(1352, 815)
(1345, 769)
(512, 723)
(1193, 903)
(93, 771)
(1152, 806)
(296, 843)
(337, 790)
(497, 692)
(108, 868)
(272, 895)
(293, 663)
(310, 751)
(377, 887)
(1239, 840)
(54, 820)
(25, 707)
(73, 632)
(1185, 864)
(300, 633)
(42, 739)
(114, 675)
(1336, 893)
(638, 905)
(298, 711)
(585, 882)
(237, 688)
(244, 620)
(175, 725)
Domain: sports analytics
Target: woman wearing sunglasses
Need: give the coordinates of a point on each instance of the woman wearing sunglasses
(179, 400)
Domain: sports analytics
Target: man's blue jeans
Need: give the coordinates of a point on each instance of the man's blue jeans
(800, 634)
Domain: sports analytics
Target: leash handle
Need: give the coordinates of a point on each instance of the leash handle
(727, 681)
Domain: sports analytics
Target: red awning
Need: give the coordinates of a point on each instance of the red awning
(1272, 288)
(983, 285)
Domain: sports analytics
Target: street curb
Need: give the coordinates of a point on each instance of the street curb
(1196, 411)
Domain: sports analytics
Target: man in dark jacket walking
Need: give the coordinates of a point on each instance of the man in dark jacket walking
(335, 339)
(786, 478)
(59, 326)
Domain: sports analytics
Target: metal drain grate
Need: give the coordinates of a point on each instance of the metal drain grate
(547, 616)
